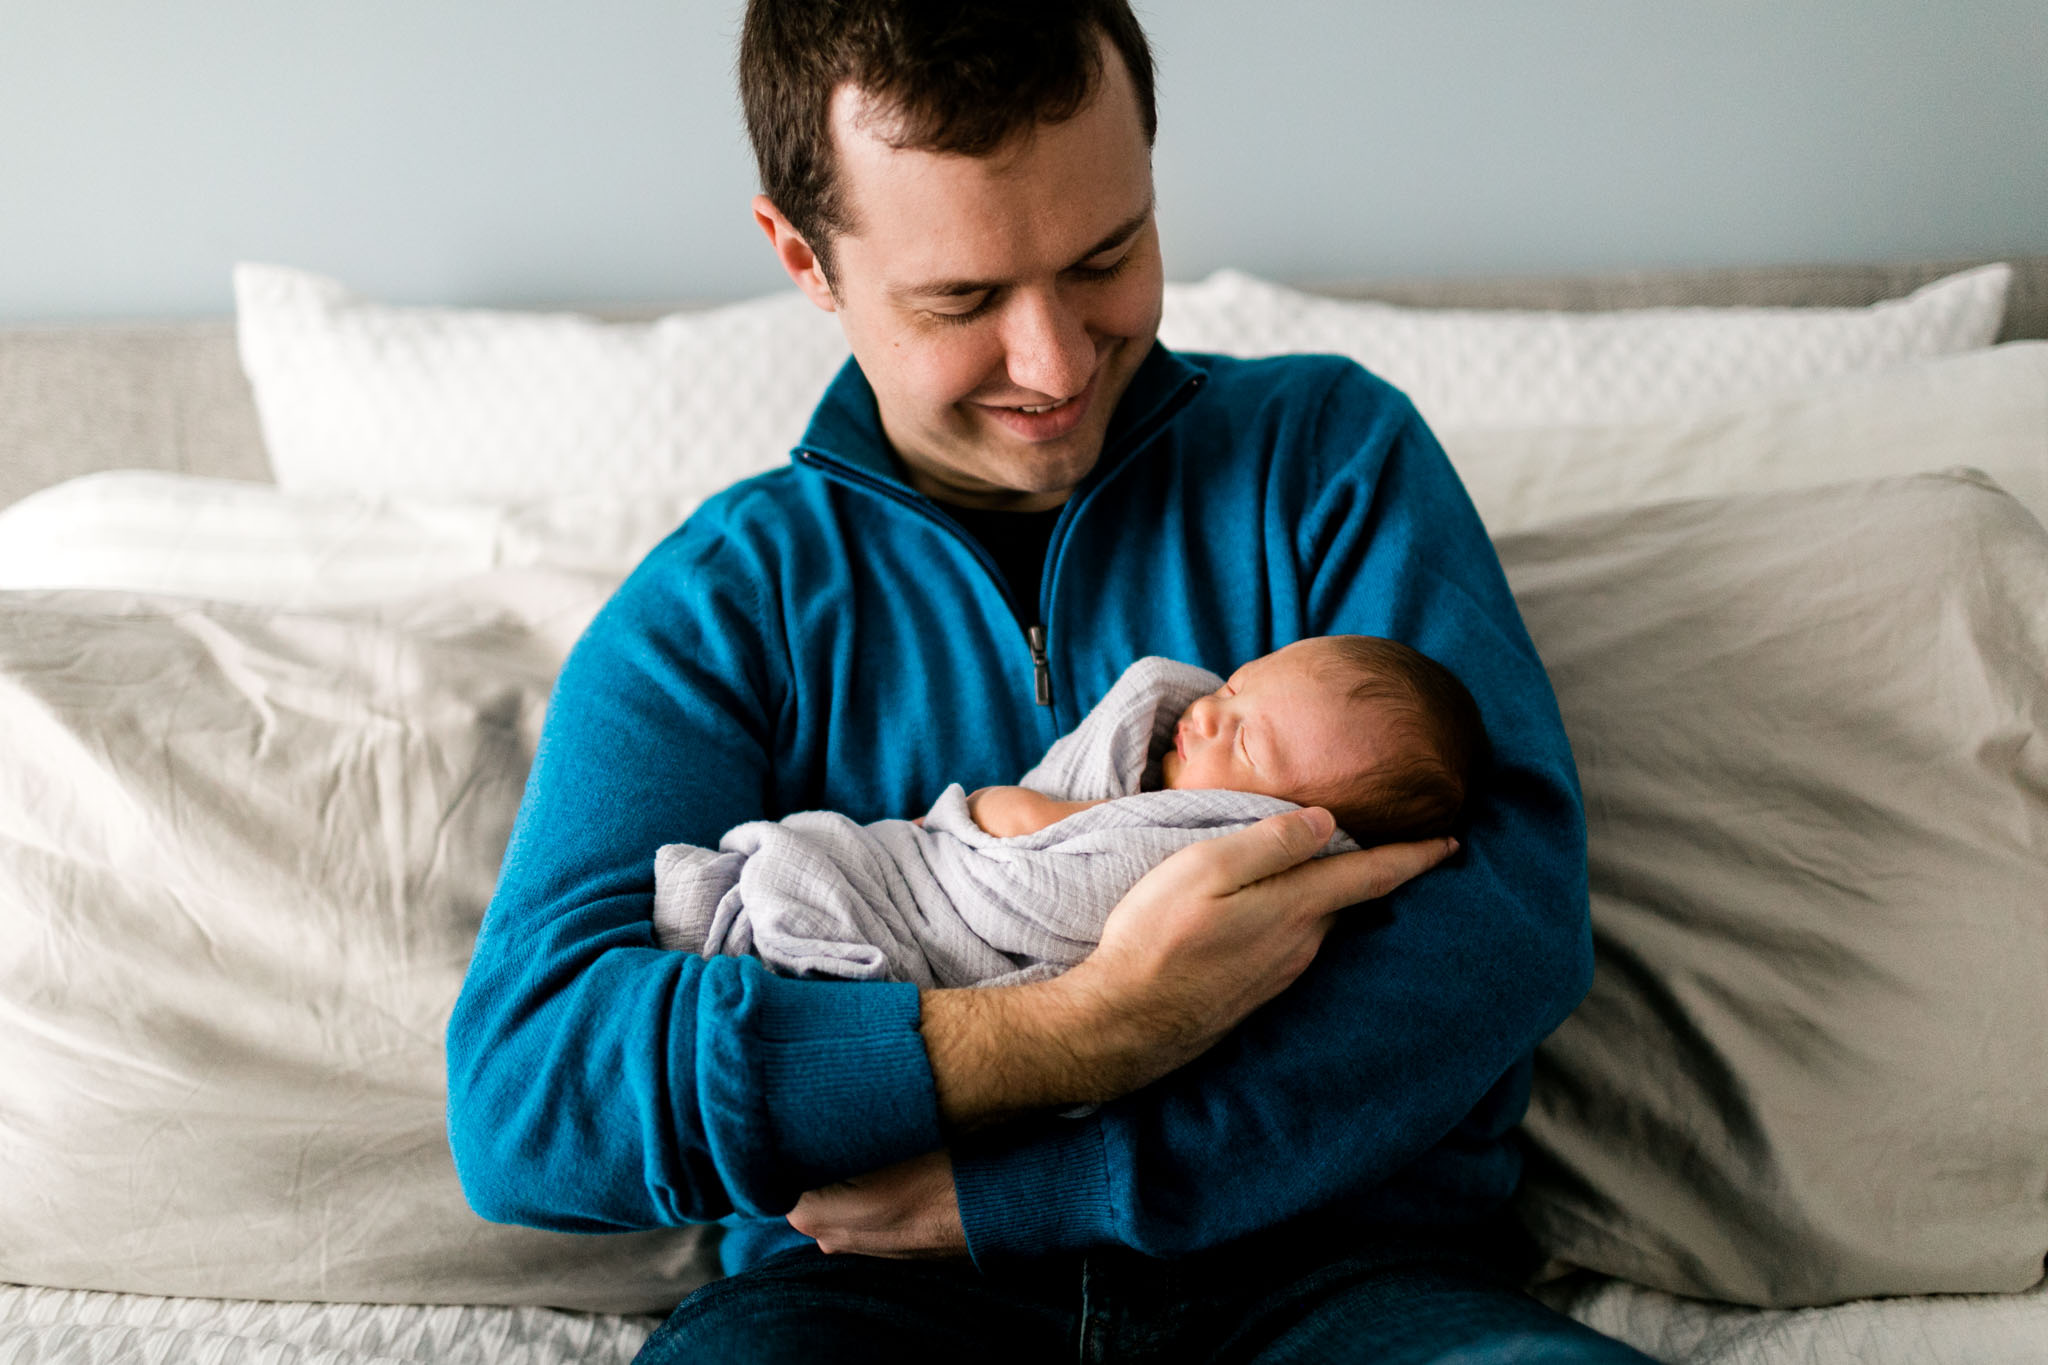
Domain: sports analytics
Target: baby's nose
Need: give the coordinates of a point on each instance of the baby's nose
(1201, 717)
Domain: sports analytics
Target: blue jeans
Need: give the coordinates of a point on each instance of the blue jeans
(1392, 1301)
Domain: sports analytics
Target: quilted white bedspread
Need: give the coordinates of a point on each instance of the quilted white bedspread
(72, 1327)
(78, 1327)
(1939, 1329)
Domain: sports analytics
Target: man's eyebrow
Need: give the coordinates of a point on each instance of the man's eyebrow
(949, 289)
(1118, 235)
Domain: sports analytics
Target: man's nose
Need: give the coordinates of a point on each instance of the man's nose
(1047, 346)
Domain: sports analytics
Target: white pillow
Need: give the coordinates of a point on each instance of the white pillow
(1986, 409)
(243, 856)
(362, 397)
(231, 540)
(1485, 367)
(368, 398)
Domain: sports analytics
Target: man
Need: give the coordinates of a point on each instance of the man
(1009, 495)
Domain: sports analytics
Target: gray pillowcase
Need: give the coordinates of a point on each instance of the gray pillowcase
(243, 854)
(1809, 725)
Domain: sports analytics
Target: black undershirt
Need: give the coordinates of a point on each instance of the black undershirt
(1017, 542)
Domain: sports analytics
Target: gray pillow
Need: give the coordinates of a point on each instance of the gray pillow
(1809, 726)
(243, 854)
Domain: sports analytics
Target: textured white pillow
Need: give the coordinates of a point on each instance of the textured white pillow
(243, 856)
(364, 397)
(1484, 367)
(1986, 409)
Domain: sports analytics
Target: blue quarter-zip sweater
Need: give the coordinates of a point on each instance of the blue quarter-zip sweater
(823, 636)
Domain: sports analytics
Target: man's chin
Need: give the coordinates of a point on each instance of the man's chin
(989, 470)
(1013, 482)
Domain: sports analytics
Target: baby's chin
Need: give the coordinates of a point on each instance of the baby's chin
(1169, 769)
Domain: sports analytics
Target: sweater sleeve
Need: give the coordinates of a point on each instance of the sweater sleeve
(599, 1083)
(1406, 1044)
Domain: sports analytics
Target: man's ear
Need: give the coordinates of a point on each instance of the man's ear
(795, 254)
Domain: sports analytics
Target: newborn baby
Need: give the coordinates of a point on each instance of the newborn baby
(1014, 883)
(1381, 736)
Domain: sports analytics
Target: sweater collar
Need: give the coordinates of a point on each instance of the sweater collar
(846, 428)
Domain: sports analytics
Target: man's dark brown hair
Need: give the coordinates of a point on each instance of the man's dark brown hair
(955, 77)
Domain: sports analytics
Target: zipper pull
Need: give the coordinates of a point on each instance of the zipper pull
(1040, 667)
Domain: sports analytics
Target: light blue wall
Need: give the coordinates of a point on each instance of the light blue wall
(538, 151)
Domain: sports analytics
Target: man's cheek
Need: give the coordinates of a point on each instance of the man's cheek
(1135, 314)
(1131, 305)
(943, 374)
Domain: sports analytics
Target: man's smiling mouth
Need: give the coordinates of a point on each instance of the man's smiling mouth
(1037, 422)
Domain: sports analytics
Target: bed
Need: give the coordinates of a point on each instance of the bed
(281, 599)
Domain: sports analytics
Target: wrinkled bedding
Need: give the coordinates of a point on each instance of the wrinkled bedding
(243, 854)
(75, 1327)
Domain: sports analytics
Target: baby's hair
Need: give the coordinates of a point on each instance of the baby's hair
(1420, 792)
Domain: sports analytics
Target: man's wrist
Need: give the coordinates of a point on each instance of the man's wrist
(1003, 1052)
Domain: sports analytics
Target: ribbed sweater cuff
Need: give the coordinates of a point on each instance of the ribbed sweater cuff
(1043, 1193)
(846, 1085)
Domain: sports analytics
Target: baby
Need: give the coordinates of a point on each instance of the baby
(1014, 883)
(1380, 735)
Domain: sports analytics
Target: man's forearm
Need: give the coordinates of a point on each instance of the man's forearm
(1002, 1052)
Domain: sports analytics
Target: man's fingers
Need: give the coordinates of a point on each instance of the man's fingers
(1282, 846)
(1273, 845)
(1329, 884)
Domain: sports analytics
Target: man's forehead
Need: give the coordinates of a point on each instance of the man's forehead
(1048, 197)
(934, 283)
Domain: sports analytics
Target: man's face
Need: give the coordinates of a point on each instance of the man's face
(999, 305)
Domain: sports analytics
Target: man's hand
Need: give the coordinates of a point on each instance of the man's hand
(1225, 925)
(906, 1211)
(1198, 943)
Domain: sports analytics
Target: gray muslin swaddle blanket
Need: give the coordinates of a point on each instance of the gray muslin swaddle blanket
(945, 904)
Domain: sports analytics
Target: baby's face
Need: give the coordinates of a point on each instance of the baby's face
(1280, 726)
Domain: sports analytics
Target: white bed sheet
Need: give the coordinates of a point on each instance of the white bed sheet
(1939, 1329)
(80, 1327)
(76, 1327)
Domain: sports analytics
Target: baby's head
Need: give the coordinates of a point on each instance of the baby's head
(1384, 738)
